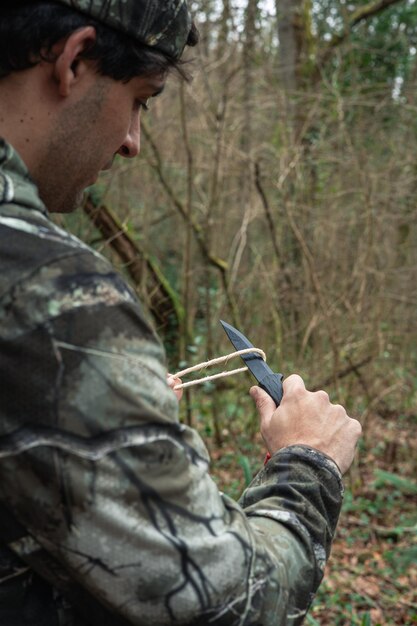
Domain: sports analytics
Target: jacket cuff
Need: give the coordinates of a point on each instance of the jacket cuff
(301, 488)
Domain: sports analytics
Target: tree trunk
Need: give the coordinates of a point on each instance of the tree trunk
(288, 17)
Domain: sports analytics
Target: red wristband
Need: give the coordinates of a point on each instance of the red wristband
(267, 457)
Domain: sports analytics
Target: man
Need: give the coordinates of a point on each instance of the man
(108, 513)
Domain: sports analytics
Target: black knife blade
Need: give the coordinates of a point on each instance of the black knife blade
(265, 377)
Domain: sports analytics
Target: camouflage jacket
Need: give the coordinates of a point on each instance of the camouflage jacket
(104, 479)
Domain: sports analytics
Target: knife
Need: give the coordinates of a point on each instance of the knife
(265, 377)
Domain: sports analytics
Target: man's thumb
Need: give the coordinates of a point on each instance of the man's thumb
(264, 403)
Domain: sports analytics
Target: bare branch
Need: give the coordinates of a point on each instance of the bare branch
(352, 367)
(217, 262)
(198, 232)
(370, 9)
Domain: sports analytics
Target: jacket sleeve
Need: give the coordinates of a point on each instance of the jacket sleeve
(119, 492)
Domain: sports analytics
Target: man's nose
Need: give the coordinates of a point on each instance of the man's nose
(130, 148)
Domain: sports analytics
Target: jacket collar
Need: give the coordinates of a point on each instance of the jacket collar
(16, 185)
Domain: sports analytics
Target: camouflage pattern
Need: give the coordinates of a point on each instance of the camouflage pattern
(96, 466)
(163, 25)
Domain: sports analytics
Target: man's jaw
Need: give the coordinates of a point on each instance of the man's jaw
(107, 166)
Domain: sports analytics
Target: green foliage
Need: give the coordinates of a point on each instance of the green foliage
(379, 50)
(402, 559)
(347, 614)
(247, 472)
(403, 484)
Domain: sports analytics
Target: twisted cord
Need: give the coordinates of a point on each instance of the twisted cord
(222, 359)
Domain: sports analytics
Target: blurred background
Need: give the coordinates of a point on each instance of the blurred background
(277, 191)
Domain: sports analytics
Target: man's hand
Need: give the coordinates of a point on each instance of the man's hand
(172, 382)
(307, 418)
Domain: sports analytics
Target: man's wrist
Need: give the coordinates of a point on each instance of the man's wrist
(313, 454)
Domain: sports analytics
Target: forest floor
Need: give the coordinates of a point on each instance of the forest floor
(371, 577)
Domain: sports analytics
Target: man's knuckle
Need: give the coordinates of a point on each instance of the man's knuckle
(295, 379)
(322, 395)
(293, 384)
(298, 392)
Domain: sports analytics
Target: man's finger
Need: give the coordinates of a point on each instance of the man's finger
(292, 383)
(171, 381)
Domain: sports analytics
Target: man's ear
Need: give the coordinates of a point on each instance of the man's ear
(67, 64)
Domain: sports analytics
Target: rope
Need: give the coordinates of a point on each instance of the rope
(220, 359)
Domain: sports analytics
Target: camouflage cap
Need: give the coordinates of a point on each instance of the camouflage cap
(161, 24)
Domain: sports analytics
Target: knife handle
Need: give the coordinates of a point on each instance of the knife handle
(272, 384)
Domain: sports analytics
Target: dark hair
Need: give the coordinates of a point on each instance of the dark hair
(29, 30)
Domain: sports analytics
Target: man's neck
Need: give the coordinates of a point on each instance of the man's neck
(22, 114)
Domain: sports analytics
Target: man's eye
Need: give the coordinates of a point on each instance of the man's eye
(142, 104)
